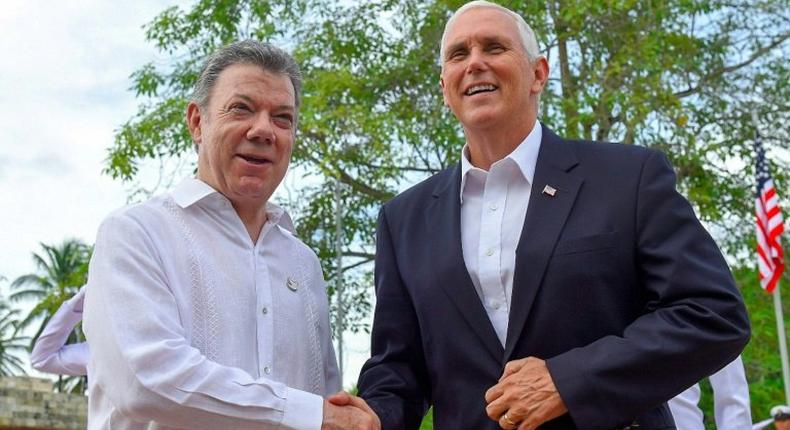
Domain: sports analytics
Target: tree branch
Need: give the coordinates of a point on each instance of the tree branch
(358, 254)
(347, 179)
(357, 264)
(727, 69)
(566, 80)
(362, 187)
(402, 168)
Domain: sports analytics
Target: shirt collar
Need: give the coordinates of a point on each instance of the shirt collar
(190, 191)
(193, 190)
(525, 156)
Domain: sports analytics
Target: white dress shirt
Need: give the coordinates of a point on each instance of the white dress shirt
(730, 401)
(49, 353)
(194, 326)
(493, 208)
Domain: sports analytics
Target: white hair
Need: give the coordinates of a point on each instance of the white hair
(528, 41)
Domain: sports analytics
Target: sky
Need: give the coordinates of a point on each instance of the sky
(64, 89)
(64, 83)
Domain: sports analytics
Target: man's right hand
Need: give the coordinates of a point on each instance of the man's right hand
(343, 411)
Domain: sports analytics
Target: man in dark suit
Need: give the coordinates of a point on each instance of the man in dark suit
(540, 281)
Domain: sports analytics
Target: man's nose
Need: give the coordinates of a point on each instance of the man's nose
(476, 61)
(261, 129)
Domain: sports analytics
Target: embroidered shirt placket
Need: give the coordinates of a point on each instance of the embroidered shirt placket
(204, 321)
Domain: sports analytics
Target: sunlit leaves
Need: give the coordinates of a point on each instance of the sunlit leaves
(678, 75)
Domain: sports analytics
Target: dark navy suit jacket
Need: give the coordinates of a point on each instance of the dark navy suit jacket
(617, 286)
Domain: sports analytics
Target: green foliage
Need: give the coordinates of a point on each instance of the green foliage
(60, 272)
(427, 423)
(12, 342)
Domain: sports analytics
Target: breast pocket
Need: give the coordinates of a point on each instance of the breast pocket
(592, 243)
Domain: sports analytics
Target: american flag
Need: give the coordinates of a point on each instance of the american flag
(770, 258)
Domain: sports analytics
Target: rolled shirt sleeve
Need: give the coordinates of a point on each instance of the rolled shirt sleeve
(731, 397)
(50, 354)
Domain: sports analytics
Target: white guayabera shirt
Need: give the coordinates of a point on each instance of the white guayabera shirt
(193, 326)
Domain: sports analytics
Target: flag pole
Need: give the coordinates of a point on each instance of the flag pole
(780, 324)
(339, 289)
(780, 330)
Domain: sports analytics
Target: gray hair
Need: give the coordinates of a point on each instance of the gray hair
(264, 55)
(528, 41)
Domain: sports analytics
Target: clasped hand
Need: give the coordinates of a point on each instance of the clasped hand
(343, 411)
(525, 396)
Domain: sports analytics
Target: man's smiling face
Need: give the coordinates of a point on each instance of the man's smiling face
(486, 76)
(245, 135)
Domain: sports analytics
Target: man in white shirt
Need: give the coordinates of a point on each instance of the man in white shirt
(203, 310)
(730, 401)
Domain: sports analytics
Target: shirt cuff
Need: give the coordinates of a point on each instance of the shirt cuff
(303, 410)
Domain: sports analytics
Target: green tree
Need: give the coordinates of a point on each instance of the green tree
(12, 343)
(680, 75)
(60, 272)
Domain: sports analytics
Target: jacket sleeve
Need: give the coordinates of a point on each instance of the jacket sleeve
(692, 323)
(394, 379)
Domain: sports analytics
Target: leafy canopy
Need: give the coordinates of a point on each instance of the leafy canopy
(680, 75)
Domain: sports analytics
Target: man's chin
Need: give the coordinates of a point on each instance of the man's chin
(482, 119)
(251, 191)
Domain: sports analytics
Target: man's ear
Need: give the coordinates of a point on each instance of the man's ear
(444, 95)
(541, 67)
(193, 122)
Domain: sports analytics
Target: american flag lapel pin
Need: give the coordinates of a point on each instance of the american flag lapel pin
(549, 190)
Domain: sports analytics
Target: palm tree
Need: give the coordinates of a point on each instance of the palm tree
(11, 342)
(61, 271)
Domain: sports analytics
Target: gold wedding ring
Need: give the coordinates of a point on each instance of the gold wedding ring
(508, 421)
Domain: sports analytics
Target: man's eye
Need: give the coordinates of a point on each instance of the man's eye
(239, 108)
(285, 121)
(457, 55)
(496, 49)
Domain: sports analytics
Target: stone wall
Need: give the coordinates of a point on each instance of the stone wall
(29, 404)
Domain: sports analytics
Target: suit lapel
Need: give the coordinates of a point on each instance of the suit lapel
(545, 219)
(443, 216)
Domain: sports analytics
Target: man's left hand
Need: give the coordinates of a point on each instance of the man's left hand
(525, 396)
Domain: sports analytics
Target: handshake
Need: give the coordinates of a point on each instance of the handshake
(524, 398)
(343, 411)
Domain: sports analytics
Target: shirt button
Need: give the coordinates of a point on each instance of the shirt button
(495, 304)
(493, 207)
(264, 310)
(267, 370)
(490, 252)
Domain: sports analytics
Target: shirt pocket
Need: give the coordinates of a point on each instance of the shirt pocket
(595, 242)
